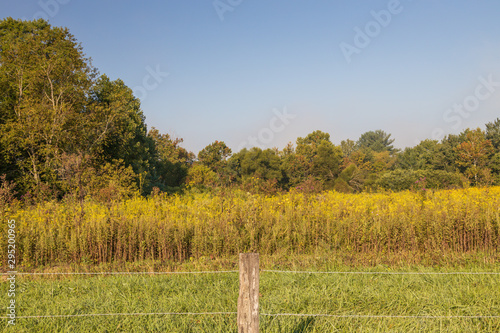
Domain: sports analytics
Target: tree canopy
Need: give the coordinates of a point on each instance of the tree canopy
(69, 132)
(378, 141)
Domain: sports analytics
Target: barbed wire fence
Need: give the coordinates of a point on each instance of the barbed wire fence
(246, 281)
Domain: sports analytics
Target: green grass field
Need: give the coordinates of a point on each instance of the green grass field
(335, 294)
(444, 231)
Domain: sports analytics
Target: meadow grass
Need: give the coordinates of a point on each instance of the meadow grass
(335, 294)
(448, 231)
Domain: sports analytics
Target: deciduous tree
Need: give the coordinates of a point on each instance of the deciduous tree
(45, 78)
(473, 155)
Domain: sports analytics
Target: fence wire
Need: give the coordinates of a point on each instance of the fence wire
(125, 314)
(375, 316)
(116, 273)
(386, 273)
(262, 270)
(261, 314)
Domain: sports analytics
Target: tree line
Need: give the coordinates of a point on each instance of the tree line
(68, 132)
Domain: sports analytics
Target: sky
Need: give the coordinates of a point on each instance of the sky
(263, 73)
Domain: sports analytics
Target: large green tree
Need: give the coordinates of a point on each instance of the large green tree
(446, 155)
(473, 155)
(378, 141)
(215, 156)
(61, 123)
(420, 157)
(117, 125)
(111, 133)
(264, 164)
(45, 80)
(315, 157)
(171, 162)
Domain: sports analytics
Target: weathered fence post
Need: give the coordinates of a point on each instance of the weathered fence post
(248, 299)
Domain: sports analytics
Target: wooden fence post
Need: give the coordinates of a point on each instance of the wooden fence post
(248, 299)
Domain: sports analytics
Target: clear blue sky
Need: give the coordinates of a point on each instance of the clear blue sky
(230, 72)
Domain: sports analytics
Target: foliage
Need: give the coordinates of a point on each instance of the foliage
(473, 155)
(378, 141)
(350, 180)
(493, 133)
(264, 164)
(256, 185)
(315, 158)
(348, 147)
(171, 162)
(119, 131)
(446, 156)
(201, 176)
(174, 228)
(7, 192)
(362, 158)
(63, 126)
(420, 157)
(60, 122)
(494, 165)
(114, 181)
(401, 179)
(45, 79)
(214, 155)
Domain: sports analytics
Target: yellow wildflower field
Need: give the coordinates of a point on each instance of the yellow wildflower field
(217, 225)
